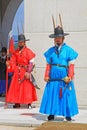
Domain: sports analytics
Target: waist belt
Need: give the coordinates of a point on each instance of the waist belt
(59, 65)
(57, 79)
(23, 66)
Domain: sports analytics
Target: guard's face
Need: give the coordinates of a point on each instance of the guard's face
(21, 44)
(3, 53)
(58, 40)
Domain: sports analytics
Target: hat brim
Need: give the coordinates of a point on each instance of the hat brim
(22, 40)
(55, 36)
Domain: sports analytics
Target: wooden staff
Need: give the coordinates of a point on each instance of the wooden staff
(9, 51)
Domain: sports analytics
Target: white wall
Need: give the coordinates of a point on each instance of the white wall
(38, 26)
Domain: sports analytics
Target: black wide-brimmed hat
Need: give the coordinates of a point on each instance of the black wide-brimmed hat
(21, 38)
(58, 32)
(4, 49)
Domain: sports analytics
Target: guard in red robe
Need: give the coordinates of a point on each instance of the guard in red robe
(22, 90)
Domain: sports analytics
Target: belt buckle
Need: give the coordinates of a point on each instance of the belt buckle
(58, 64)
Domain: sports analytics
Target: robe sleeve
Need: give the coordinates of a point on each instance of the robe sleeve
(48, 55)
(30, 54)
(12, 62)
(72, 54)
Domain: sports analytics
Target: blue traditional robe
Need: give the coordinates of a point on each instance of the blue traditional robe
(51, 103)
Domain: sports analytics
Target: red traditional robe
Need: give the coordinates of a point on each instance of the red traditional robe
(21, 90)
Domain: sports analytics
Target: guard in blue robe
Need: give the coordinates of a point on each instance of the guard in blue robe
(59, 96)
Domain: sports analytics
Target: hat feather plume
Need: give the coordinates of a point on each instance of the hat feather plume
(60, 21)
(53, 22)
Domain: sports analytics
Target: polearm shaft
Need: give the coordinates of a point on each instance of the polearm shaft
(8, 54)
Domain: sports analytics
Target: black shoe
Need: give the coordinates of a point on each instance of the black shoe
(29, 106)
(68, 118)
(2, 95)
(17, 105)
(50, 117)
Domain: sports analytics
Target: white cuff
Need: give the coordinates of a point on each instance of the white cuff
(32, 60)
(72, 62)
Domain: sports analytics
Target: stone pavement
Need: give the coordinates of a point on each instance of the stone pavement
(32, 117)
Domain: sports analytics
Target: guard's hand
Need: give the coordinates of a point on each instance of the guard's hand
(27, 75)
(67, 79)
(46, 79)
(7, 63)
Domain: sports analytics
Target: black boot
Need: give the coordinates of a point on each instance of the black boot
(17, 105)
(50, 117)
(68, 118)
(29, 106)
